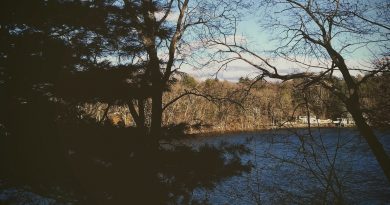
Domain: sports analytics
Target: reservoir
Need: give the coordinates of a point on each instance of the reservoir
(301, 166)
(282, 166)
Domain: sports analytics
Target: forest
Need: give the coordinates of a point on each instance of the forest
(99, 106)
(224, 106)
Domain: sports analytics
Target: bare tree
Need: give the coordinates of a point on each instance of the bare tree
(319, 36)
(162, 28)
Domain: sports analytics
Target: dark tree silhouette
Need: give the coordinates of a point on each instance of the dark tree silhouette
(56, 55)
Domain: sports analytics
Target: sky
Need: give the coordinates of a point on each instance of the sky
(251, 31)
(260, 40)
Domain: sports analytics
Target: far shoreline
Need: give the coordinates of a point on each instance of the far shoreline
(211, 133)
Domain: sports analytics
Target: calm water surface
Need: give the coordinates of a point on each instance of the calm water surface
(294, 166)
(301, 167)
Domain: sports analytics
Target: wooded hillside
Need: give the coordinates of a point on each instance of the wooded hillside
(215, 105)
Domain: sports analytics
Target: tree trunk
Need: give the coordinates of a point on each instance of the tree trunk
(139, 118)
(156, 111)
(372, 140)
(353, 106)
(141, 111)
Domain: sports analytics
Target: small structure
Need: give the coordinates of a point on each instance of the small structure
(305, 120)
(327, 121)
(342, 121)
(347, 121)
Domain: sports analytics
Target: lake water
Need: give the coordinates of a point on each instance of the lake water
(303, 167)
(296, 166)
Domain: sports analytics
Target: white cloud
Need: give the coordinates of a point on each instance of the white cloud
(172, 16)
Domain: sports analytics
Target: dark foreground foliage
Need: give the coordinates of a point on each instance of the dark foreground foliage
(101, 164)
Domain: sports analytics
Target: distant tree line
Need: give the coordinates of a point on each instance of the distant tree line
(216, 105)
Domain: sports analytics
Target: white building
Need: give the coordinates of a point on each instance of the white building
(344, 121)
(304, 119)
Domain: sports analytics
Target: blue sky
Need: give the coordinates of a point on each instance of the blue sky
(260, 40)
